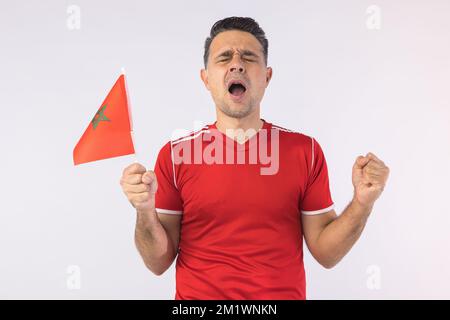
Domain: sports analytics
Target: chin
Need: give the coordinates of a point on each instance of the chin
(238, 112)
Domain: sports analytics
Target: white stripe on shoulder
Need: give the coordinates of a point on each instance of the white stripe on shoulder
(190, 137)
(185, 135)
(173, 166)
(283, 129)
(166, 211)
(312, 213)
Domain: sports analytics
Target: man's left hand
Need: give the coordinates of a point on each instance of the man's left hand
(369, 176)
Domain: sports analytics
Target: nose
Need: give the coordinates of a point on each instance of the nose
(239, 69)
(237, 66)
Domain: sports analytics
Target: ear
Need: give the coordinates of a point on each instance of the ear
(268, 75)
(204, 77)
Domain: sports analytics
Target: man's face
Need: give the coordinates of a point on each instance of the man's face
(236, 74)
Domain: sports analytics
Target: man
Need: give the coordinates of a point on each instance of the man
(238, 232)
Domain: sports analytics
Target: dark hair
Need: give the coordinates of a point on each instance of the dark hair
(237, 23)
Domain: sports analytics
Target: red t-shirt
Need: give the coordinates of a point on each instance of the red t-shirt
(241, 233)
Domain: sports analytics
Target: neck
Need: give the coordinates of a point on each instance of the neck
(252, 121)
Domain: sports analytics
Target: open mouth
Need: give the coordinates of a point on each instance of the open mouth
(237, 88)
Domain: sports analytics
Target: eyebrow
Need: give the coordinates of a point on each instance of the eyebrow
(229, 53)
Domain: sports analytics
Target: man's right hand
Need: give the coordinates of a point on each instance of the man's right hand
(139, 185)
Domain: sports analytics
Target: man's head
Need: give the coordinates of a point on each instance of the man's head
(236, 71)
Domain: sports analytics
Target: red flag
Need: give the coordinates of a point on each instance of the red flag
(109, 132)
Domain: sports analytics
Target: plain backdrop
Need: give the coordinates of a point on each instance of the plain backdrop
(66, 232)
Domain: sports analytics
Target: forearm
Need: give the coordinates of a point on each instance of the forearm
(339, 236)
(153, 243)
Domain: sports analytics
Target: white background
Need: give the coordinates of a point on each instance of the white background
(353, 88)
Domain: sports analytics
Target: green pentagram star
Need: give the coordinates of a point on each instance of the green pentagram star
(99, 116)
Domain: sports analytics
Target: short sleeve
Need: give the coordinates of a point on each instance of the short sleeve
(317, 196)
(167, 198)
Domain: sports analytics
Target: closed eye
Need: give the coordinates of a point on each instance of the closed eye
(246, 59)
(246, 55)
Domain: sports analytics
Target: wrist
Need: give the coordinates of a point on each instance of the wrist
(146, 217)
(360, 206)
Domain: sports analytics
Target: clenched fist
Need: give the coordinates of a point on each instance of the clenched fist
(369, 177)
(139, 185)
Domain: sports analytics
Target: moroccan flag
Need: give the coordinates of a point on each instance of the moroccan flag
(109, 132)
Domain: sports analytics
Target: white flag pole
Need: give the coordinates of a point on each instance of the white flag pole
(131, 117)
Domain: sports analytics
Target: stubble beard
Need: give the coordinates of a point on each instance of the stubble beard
(242, 112)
